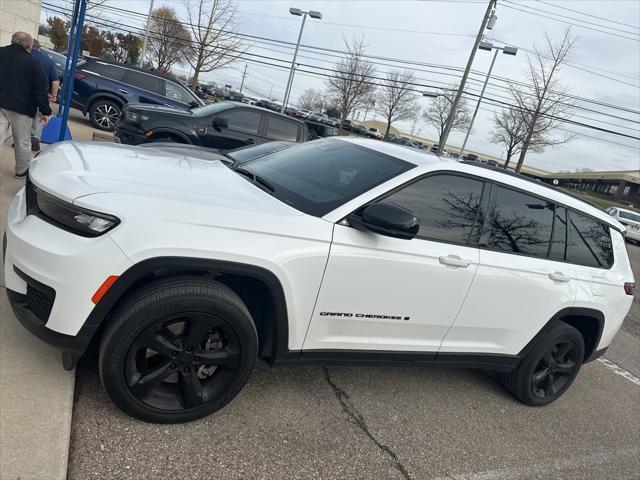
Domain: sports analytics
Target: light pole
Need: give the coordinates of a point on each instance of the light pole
(486, 46)
(488, 21)
(146, 34)
(303, 14)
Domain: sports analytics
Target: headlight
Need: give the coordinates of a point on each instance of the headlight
(67, 216)
(135, 117)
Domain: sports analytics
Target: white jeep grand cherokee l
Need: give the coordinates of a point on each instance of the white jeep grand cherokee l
(188, 269)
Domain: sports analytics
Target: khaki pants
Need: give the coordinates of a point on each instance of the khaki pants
(21, 129)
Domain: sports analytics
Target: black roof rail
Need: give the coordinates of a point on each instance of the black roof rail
(506, 171)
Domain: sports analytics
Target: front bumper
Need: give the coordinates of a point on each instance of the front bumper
(51, 275)
(123, 135)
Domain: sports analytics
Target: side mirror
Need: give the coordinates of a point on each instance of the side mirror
(220, 122)
(387, 219)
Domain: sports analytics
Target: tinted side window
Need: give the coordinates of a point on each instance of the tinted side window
(282, 129)
(520, 223)
(589, 242)
(144, 81)
(177, 93)
(448, 206)
(559, 237)
(243, 121)
(102, 69)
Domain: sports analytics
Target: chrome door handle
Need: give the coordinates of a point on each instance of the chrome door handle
(123, 90)
(454, 261)
(559, 277)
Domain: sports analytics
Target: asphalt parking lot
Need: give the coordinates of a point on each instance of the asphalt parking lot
(375, 423)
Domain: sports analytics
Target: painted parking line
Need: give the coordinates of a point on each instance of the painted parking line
(618, 370)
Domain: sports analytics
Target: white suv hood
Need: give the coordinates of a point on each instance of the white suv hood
(70, 170)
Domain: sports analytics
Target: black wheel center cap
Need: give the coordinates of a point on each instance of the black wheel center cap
(185, 358)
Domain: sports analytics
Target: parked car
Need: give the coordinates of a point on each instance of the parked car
(184, 271)
(630, 219)
(249, 100)
(390, 136)
(269, 105)
(359, 129)
(101, 89)
(303, 113)
(374, 133)
(471, 157)
(493, 163)
(333, 122)
(347, 125)
(320, 130)
(58, 60)
(290, 111)
(318, 117)
(434, 149)
(224, 125)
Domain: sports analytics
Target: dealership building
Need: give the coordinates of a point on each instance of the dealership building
(18, 15)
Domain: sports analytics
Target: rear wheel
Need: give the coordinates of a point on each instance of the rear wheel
(549, 368)
(104, 113)
(178, 350)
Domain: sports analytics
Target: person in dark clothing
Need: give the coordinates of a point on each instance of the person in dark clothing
(53, 80)
(23, 91)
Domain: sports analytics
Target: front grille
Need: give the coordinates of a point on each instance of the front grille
(40, 303)
(40, 297)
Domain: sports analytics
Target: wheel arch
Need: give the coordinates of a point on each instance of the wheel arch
(170, 132)
(588, 321)
(98, 95)
(258, 287)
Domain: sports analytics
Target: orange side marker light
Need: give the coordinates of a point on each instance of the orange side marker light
(104, 288)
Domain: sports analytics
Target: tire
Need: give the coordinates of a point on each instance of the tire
(545, 373)
(177, 350)
(104, 113)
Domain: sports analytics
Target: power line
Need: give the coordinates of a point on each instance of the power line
(588, 14)
(564, 21)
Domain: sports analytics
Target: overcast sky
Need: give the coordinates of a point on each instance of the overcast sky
(442, 32)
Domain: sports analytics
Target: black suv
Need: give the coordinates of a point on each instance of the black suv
(101, 88)
(223, 125)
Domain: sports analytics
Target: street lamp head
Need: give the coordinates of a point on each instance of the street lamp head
(314, 14)
(430, 94)
(295, 11)
(510, 50)
(485, 46)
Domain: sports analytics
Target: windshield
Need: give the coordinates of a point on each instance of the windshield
(318, 177)
(244, 154)
(210, 109)
(629, 216)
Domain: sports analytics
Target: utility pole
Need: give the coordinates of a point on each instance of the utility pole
(456, 101)
(146, 35)
(244, 74)
(270, 92)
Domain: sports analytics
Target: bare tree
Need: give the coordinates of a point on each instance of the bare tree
(311, 99)
(438, 110)
(215, 38)
(351, 81)
(396, 100)
(544, 103)
(509, 130)
(170, 41)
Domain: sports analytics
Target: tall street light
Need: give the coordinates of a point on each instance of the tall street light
(488, 22)
(488, 47)
(303, 14)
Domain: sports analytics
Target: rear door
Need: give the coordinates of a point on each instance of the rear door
(389, 294)
(144, 88)
(244, 129)
(281, 128)
(522, 279)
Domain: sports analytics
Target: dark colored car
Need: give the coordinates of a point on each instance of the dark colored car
(359, 129)
(347, 125)
(101, 89)
(222, 125)
(319, 130)
(58, 60)
(235, 96)
(470, 157)
(274, 107)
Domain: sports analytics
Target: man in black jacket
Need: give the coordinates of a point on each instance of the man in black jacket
(23, 90)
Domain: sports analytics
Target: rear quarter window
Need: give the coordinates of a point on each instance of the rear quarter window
(588, 242)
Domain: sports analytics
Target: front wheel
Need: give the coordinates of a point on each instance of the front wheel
(549, 368)
(178, 350)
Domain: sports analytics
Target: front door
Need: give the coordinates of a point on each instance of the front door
(243, 130)
(387, 294)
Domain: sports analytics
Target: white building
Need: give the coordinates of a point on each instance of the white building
(18, 15)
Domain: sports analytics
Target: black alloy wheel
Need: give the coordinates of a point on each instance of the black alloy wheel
(549, 367)
(177, 349)
(182, 361)
(555, 369)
